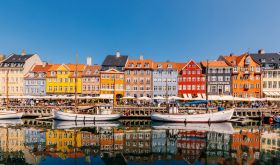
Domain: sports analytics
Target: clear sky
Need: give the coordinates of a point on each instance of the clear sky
(175, 30)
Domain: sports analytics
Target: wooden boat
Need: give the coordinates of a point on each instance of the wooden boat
(209, 117)
(102, 113)
(213, 127)
(8, 114)
(57, 124)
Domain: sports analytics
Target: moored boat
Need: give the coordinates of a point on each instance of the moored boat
(208, 117)
(101, 113)
(7, 114)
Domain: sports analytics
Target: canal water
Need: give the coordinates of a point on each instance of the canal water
(28, 141)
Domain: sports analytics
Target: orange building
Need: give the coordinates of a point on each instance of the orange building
(245, 146)
(246, 75)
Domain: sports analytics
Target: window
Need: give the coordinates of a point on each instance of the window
(220, 78)
(227, 88)
(252, 69)
(213, 78)
(227, 78)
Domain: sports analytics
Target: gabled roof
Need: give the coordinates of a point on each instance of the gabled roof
(197, 64)
(113, 60)
(266, 58)
(214, 64)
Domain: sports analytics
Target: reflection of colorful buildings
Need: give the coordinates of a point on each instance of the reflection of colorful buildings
(245, 146)
(270, 145)
(190, 145)
(11, 139)
(63, 140)
(159, 141)
(34, 138)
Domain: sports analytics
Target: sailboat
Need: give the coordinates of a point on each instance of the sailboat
(6, 113)
(103, 113)
(173, 114)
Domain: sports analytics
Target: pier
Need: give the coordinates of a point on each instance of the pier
(144, 112)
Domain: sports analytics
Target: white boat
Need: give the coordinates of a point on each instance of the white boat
(7, 114)
(211, 117)
(276, 118)
(213, 127)
(58, 124)
(10, 122)
(101, 113)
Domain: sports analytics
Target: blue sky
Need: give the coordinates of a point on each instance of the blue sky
(176, 30)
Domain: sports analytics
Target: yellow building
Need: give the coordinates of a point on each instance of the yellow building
(112, 82)
(63, 140)
(60, 79)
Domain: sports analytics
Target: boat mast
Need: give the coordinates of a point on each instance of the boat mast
(76, 73)
(206, 80)
(7, 90)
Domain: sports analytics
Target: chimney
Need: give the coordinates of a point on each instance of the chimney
(23, 53)
(141, 57)
(44, 63)
(118, 54)
(231, 54)
(261, 51)
(89, 61)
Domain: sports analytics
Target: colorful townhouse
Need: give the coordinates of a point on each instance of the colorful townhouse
(138, 77)
(218, 77)
(2, 57)
(112, 75)
(246, 75)
(13, 69)
(191, 81)
(165, 75)
(60, 78)
(270, 63)
(91, 80)
(35, 80)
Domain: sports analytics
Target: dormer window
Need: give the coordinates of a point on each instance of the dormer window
(159, 66)
(96, 71)
(88, 72)
(130, 65)
(138, 65)
(169, 66)
(52, 73)
(272, 60)
(262, 60)
(247, 61)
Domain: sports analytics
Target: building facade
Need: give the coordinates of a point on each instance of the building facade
(138, 77)
(219, 77)
(246, 75)
(165, 79)
(13, 69)
(112, 75)
(91, 80)
(35, 80)
(191, 81)
(60, 79)
(270, 63)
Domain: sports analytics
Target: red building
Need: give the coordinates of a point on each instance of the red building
(191, 81)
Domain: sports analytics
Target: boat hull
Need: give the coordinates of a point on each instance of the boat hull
(215, 117)
(59, 115)
(10, 115)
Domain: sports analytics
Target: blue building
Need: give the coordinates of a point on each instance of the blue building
(35, 80)
(34, 138)
(165, 79)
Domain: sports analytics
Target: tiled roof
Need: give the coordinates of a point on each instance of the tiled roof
(267, 58)
(231, 59)
(15, 60)
(92, 70)
(41, 68)
(113, 60)
(164, 65)
(144, 63)
(214, 64)
(70, 67)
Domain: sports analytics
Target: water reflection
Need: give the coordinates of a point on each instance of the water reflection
(115, 143)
